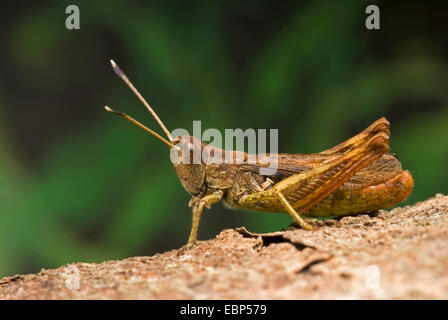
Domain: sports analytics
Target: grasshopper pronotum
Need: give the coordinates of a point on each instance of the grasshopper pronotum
(355, 176)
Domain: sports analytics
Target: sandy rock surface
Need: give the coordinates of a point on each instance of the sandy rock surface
(397, 254)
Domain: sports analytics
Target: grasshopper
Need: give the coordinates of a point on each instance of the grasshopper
(355, 176)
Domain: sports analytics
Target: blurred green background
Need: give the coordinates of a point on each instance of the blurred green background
(78, 184)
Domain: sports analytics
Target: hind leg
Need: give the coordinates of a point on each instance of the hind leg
(370, 198)
(381, 125)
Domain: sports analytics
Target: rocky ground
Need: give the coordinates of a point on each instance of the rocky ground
(397, 254)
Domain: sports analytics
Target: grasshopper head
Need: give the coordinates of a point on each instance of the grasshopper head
(186, 151)
(186, 156)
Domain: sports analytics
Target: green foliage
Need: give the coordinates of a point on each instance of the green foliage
(101, 189)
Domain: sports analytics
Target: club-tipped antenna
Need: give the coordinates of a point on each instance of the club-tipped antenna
(140, 125)
(123, 76)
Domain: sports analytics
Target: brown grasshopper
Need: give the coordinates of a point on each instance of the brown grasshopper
(355, 176)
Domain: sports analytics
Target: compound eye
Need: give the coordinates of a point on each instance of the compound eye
(176, 140)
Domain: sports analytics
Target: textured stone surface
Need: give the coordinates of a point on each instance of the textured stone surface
(398, 254)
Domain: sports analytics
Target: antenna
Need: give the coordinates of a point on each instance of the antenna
(139, 124)
(123, 76)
